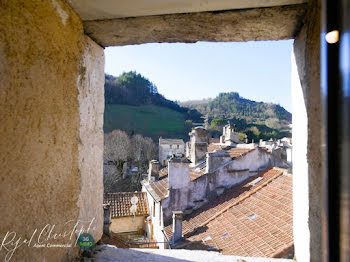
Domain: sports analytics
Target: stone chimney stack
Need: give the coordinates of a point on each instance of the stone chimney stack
(177, 226)
(216, 159)
(229, 135)
(106, 219)
(199, 144)
(178, 172)
(153, 170)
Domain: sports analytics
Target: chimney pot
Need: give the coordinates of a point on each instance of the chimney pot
(107, 219)
(177, 226)
(153, 170)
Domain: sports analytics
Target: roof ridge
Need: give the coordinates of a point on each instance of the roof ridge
(246, 196)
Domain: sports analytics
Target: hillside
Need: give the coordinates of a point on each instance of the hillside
(134, 89)
(133, 104)
(233, 106)
(148, 120)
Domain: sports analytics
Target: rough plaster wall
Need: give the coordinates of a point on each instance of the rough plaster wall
(90, 147)
(255, 160)
(126, 224)
(307, 56)
(41, 48)
(274, 23)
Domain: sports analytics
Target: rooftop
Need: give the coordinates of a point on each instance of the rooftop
(120, 204)
(235, 152)
(171, 141)
(252, 219)
(160, 187)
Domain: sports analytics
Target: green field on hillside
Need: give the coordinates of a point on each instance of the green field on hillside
(148, 120)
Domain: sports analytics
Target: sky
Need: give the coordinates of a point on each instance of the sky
(258, 71)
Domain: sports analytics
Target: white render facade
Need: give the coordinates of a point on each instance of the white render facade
(169, 147)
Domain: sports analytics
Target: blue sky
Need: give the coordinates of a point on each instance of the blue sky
(258, 71)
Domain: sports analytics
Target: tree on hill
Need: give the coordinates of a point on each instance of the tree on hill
(134, 89)
(218, 122)
(232, 106)
(129, 88)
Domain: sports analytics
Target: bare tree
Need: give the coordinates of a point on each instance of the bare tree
(120, 149)
(143, 150)
(117, 148)
(117, 151)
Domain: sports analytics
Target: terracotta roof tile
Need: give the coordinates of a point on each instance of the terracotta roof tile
(248, 220)
(194, 174)
(163, 172)
(120, 203)
(235, 152)
(214, 140)
(160, 187)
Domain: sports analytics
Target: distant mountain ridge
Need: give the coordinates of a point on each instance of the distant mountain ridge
(232, 106)
(134, 105)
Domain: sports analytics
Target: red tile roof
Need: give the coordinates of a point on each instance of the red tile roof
(235, 152)
(252, 219)
(163, 172)
(212, 147)
(194, 174)
(160, 187)
(214, 140)
(120, 204)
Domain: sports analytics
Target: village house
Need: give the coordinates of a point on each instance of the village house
(229, 135)
(188, 184)
(119, 211)
(281, 148)
(169, 147)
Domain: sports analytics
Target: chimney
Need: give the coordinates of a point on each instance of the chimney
(199, 144)
(229, 134)
(178, 172)
(107, 219)
(177, 226)
(153, 170)
(125, 170)
(216, 159)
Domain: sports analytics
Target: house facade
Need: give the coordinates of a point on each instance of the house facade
(122, 216)
(169, 147)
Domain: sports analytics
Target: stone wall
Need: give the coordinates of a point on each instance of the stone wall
(127, 224)
(307, 133)
(51, 141)
(255, 24)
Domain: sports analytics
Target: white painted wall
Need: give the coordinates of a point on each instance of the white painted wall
(165, 151)
(300, 169)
